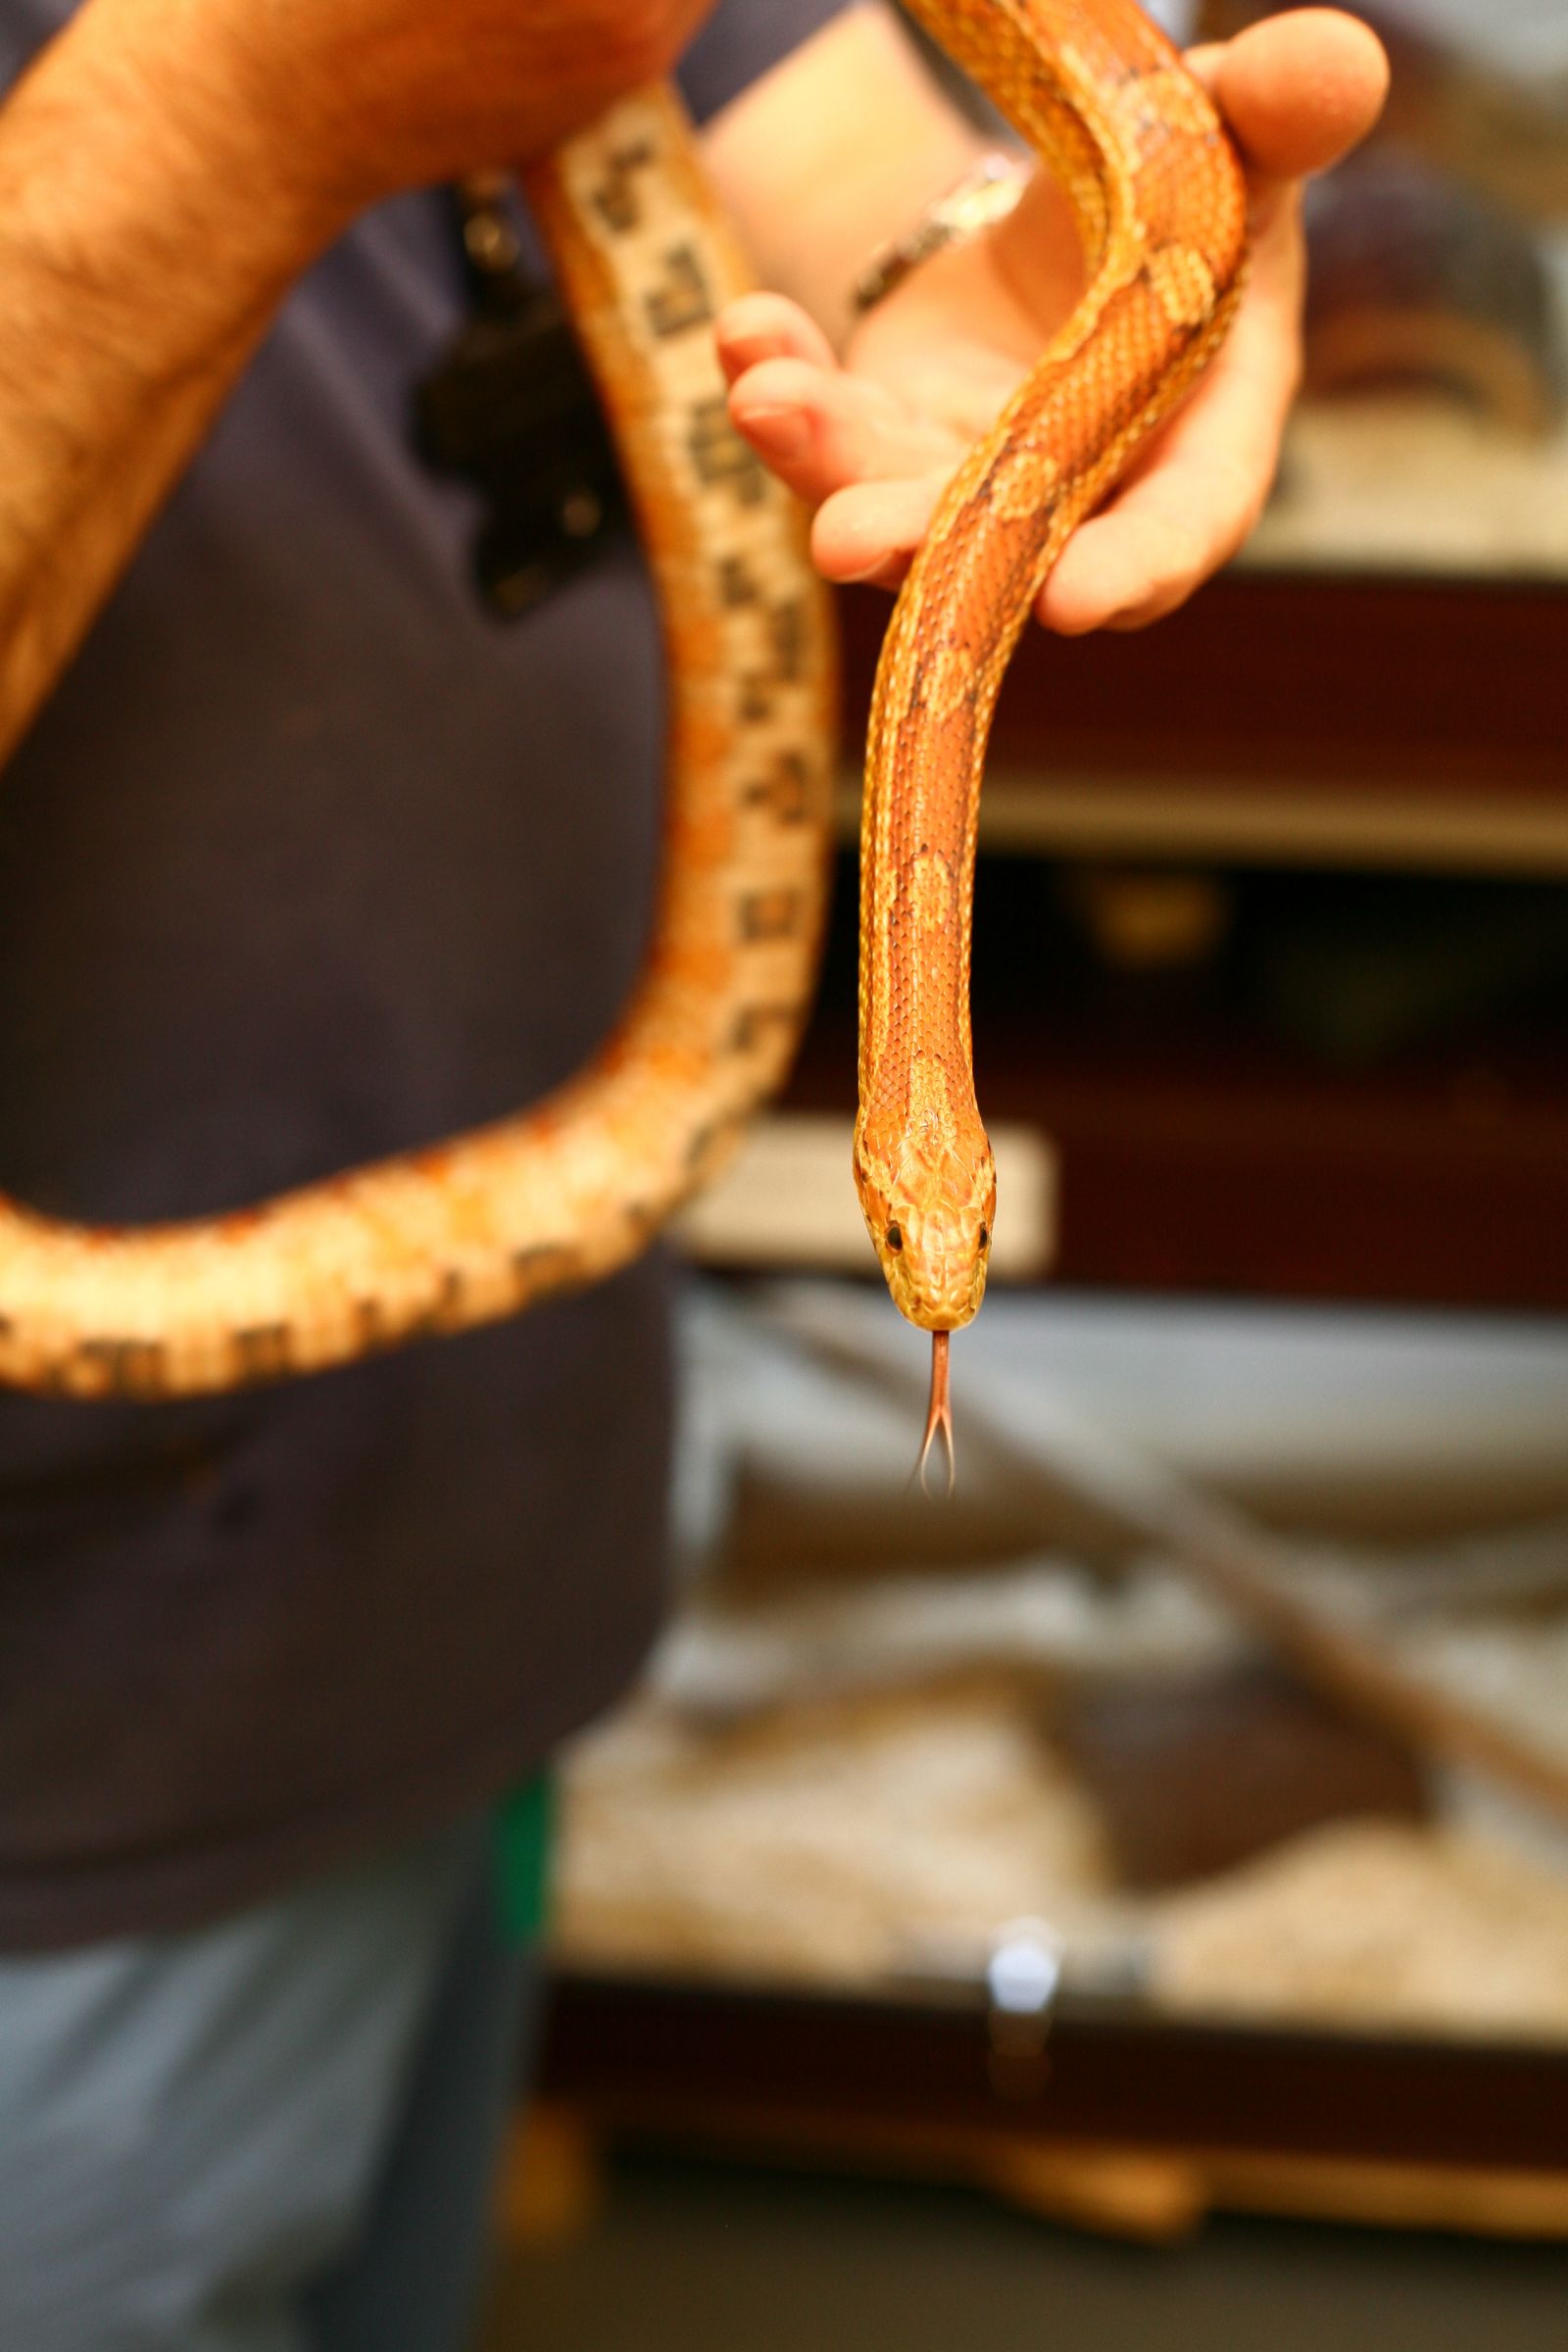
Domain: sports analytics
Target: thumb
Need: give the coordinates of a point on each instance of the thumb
(1297, 91)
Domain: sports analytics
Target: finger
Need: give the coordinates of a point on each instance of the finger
(819, 429)
(1184, 513)
(767, 326)
(870, 531)
(1296, 91)
(1198, 490)
(1140, 559)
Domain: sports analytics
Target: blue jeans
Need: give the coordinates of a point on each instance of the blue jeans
(274, 2135)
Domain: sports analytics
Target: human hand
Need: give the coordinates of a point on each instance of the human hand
(357, 99)
(871, 443)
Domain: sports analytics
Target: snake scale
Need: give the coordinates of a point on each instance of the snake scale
(442, 1239)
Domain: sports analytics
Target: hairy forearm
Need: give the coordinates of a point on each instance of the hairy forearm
(163, 181)
(138, 268)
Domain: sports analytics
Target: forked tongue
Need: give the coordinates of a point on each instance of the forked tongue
(939, 1414)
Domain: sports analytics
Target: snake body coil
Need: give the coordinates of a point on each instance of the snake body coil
(1158, 199)
(485, 1225)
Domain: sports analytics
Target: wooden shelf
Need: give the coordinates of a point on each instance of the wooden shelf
(1404, 722)
(639, 2045)
(1125, 2121)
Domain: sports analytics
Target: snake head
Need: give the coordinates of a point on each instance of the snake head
(929, 1208)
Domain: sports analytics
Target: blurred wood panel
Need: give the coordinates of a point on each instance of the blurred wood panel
(1274, 685)
(1195, 1158)
(668, 2056)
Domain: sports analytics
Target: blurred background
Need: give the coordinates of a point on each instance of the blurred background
(1131, 1897)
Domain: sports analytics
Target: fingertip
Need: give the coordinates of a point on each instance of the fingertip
(1302, 88)
(779, 381)
(843, 549)
(1131, 618)
(868, 531)
(1091, 583)
(842, 568)
(1074, 614)
(781, 436)
(1067, 612)
(1126, 568)
(756, 327)
(771, 406)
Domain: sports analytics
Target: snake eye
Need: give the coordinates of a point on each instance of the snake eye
(985, 1237)
(894, 1238)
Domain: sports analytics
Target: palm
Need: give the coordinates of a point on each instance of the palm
(871, 443)
(954, 342)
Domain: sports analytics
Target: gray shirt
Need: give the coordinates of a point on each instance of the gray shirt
(310, 860)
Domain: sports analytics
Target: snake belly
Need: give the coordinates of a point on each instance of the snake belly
(484, 1225)
(1158, 198)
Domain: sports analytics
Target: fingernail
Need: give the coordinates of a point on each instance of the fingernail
(783, 434)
